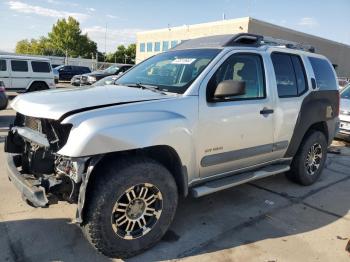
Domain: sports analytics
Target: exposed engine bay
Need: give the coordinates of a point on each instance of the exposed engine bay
(35, 143)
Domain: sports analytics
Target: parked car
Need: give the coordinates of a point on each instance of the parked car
(344, 127)
(108, 80)
(56, 75)
(207, 115)
(66, 72)
(24, 73)
(3, 96)
(75, 81)
(91, 78)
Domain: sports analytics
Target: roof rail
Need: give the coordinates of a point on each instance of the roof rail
(288, 44)
(259, 40)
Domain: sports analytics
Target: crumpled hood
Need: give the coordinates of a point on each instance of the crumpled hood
(53, 104)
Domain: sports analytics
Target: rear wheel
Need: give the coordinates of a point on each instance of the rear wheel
(309, 161)
(37, 86)
(130, 207)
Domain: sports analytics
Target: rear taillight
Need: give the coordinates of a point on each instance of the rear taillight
(2, 89)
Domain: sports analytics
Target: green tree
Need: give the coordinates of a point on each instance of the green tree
(123, 54)
(65, 38)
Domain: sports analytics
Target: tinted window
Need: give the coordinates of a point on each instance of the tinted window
(157, 46)
(41, 67)
(19, 66)
(324, 75)
(165, 45)
(3, 65)
(242, 67)
(300, 74)
(142, 47)
(149, 47)
(285, 77)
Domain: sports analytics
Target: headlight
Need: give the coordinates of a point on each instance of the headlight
(91, 79)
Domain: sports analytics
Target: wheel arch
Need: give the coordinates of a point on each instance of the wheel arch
(34, 82)
(164, 154)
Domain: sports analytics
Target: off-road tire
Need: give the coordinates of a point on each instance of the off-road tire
(37, 86)
(298, 172)
(109, 183)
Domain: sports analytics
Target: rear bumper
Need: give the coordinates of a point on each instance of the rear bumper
(34, 194)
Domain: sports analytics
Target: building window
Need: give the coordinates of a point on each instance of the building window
(173, 43)
(149, 47)
(165, 45)
(142, 47)
(156, 46)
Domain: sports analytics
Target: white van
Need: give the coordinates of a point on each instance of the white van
(23, 73)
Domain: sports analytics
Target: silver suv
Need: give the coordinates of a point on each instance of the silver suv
(210, 114)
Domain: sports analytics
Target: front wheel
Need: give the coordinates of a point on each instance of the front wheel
(130, 208)
(309, 161)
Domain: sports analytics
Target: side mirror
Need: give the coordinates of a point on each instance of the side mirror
(229, 88)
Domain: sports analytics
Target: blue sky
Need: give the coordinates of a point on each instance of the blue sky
(31, 19)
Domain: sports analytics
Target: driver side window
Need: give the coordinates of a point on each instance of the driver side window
(241, 67)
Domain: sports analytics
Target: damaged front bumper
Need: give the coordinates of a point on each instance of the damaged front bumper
(30, 189)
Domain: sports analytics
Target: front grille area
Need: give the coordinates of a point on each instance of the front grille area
(56, 133)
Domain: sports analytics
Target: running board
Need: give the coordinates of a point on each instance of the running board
(235, 180)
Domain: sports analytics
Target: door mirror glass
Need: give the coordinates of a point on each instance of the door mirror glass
(229, 88)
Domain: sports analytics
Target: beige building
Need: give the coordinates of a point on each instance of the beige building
(156, 41)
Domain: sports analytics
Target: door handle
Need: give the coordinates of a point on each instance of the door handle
(266, 111)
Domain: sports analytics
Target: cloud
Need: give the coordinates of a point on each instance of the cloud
(21, 7)
(115, 37)
(308, 21)
(91, 9)
(111, 16)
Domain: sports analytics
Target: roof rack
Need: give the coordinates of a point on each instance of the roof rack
(288, 44)
(259, 40)
(242, 39)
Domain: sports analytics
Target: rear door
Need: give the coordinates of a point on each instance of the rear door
(5, 73)
(292, 87)
(20, 74)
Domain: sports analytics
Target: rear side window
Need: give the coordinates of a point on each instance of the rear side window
(19, 66)
(41, 67)
(290, 74)
(324, 75)
(3, 65)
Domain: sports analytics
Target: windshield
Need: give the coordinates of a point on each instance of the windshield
(172, 71)
(346, 93)
(111, 70)
(58, 67)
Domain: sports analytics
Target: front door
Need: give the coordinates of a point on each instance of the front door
(236, 132)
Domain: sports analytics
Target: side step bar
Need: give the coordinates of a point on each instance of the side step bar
(235, 180)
